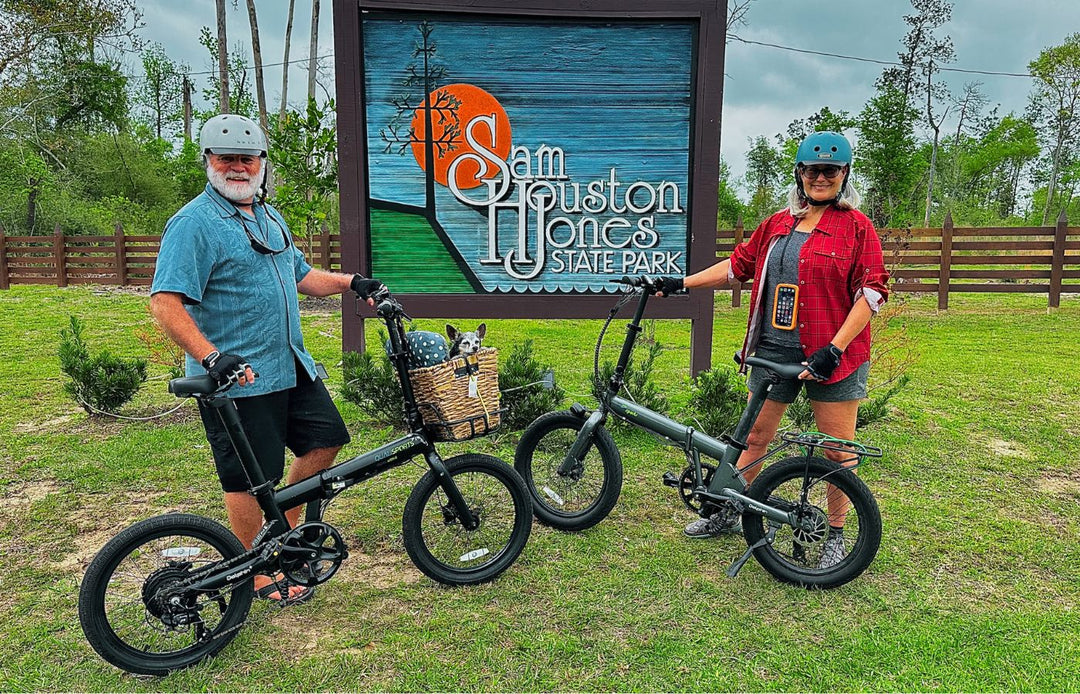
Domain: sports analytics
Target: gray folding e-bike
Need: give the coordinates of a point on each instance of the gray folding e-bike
(573, 471)
(172, 590)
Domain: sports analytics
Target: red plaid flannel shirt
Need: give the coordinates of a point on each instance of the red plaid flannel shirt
(841, 258)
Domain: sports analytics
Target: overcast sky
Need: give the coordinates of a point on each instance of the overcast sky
(765, 88)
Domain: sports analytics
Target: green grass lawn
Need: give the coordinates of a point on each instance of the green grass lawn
(976, 586)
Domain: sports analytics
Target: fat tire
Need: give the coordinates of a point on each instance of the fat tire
(611, 468)
(863, 506)
(92, 593)
(504, 478)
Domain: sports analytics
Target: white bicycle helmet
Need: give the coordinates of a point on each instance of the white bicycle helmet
(232, 134)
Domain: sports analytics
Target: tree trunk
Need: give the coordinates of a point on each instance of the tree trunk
(187, 109)
(285, 66)
(223, 58)
(31, 204)
(256, 51)
(1055, 169)
(313, 49)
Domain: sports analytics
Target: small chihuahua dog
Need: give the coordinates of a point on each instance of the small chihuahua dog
(465, 343)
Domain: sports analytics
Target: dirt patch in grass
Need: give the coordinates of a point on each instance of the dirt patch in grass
(97, 524)
(22, 494)
(1009, 449)
(1059, 485)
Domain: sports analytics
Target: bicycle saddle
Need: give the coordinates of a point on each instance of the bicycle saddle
(790, 371)
(192, 386)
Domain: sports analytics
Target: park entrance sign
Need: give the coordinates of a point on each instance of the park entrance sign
(508, 159)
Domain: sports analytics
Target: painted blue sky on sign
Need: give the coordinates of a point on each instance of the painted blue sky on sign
(583, 88)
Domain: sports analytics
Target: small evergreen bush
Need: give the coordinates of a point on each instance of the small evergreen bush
(372, 385)
(717, 400)
(524, 397)
(102, 383)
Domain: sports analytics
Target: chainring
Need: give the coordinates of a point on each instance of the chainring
(311, 553)
(686, 485)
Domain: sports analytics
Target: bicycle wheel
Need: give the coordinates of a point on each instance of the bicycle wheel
(803, 556)
(131, 611)
(439, 544)
(586, 495)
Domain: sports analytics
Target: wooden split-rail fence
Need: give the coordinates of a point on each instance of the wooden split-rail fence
(945, 261)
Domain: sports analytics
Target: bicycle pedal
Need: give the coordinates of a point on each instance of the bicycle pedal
(670, 480)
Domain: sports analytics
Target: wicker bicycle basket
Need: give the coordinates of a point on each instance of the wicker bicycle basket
(459, 399)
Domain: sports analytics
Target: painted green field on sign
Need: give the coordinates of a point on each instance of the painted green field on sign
(410, 258)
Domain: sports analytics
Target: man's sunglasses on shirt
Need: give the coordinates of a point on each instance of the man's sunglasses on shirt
(259, 246)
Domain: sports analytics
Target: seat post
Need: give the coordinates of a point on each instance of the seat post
(261, 489)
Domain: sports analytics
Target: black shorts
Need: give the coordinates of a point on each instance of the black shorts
(301, 418)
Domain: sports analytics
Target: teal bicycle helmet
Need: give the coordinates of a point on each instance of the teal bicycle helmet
(824, 147)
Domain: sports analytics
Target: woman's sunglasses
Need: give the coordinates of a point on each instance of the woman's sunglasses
(829, 171)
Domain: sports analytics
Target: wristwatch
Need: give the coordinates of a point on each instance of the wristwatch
(209, 359)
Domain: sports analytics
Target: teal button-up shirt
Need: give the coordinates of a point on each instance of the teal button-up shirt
(243, 301)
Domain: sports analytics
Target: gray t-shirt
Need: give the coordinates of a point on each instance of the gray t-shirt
(782, 268)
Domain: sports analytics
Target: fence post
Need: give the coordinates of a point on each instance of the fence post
(60, 257)
(324, 243)
(121, 256)
(946, 263)
(4, 282)
(1057, 264)
(736, 287)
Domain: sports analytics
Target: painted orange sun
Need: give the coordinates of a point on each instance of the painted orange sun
(453, 109)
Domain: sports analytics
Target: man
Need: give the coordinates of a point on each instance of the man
(225, 290)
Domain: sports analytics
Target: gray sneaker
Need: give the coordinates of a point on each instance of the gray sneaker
(833, 551)
(719, 523)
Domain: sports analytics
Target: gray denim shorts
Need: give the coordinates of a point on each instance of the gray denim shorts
(851, 387)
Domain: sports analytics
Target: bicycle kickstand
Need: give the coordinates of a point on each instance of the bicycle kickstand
(737, 565)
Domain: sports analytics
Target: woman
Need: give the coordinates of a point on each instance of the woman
(818, 278)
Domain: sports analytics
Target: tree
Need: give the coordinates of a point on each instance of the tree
(285, 64)
(304, 151)
(1055, 107)
(222, 59)
(766, 172)
(888, 159)
(313, 49)
(729, 208)
(29, 27)
(161, 91)
(241, 100)
(256, 51)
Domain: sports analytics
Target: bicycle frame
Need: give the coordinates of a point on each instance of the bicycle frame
(728, 483)
(325, 485)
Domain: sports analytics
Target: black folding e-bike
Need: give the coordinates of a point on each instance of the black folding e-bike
(574, 472)
(172, 590)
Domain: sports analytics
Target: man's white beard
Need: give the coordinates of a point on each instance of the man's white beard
(235, 190)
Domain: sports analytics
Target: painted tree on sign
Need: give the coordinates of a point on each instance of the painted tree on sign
(424, 74)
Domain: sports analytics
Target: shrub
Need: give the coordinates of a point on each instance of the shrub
(717, 400)
(100, 384)
(372, 385)
(522, 380)
(163, 351)
(638, 379)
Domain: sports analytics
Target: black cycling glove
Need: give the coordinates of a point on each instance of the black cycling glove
(225, 368)
(366, 288)
(669, 285)
(823, 362)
